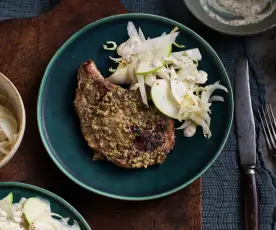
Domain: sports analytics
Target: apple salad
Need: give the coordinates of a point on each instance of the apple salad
(177, 86)
(31, 214)
(8, 127)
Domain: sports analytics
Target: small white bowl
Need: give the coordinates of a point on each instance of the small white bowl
(15, 104)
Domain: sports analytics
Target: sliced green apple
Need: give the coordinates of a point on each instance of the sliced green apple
(163, 52)
(148, 60)
(146, 67)
(142, 88)
(6, 203)
(163, 98)
(163, 73)
(34, 208)
(9, 198)
(150, 79)
(185, 73)
(178, 90)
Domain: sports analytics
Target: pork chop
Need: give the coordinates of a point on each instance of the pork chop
(117, 125)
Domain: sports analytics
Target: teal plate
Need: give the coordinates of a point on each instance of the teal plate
(58, 205)
(59, 125)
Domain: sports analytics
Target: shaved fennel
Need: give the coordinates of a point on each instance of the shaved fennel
(116, 59)
(154, 43)
(113, 47)
(131, 30)
(178, 90)
(207, 92)
(192, 53)
(2, 135)
(150, 79)
(174, 30)
(201, 122)
(141, 35)
(183, 94)
(134, 86)
(178, 46)
(120, 76)
(8, 130)
(174, 75)
(189, 128)
(142, 89)
(216, 98)
(163, 73)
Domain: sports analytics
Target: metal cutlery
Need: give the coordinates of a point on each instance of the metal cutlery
(269, 127)
(245, 130)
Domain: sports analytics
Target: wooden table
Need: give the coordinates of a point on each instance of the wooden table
(26, 46)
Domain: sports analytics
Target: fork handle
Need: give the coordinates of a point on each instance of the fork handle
(251, 199)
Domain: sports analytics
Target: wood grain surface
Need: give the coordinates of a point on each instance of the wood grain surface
(26, 47)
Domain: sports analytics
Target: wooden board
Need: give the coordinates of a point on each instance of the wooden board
(26, 47)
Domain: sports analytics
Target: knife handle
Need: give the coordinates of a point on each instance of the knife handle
(252, 214)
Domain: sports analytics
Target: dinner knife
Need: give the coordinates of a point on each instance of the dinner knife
(245, 130)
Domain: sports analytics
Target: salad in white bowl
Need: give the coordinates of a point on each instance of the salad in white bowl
(8, 129)
(177, 85)
(31, 214)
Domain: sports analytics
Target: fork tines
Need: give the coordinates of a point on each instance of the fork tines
(269, 126)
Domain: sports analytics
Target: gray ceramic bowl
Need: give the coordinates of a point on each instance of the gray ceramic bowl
(196, 9)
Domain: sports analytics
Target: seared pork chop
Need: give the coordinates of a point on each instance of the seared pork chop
(117, 125)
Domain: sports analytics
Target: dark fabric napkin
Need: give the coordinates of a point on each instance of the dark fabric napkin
(222, 195)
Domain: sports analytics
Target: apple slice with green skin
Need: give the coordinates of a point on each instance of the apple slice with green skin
(34, 208)
(163, 52)
(9, 198)
(6, 203)
(163, 98)
(146, 67)
(178, 90)
(185, 73)
(147, 60)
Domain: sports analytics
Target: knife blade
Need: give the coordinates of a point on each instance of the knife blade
(245, 128)
(245, 131)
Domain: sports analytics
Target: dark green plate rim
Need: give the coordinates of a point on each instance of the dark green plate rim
(79, 33)
(47, 193)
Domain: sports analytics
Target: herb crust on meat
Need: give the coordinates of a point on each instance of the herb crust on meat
(116, 123)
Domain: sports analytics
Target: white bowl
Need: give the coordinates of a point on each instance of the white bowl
(15, 104)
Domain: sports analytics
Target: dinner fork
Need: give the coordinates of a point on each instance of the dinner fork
(269, 125)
